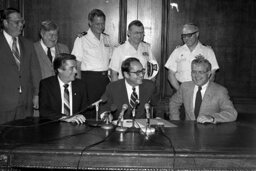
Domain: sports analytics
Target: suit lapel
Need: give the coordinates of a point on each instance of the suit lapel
(22, 52)
(43, 55)
(207, 97)
(7, 50)
(75, 94)
(190, 105)
(57, 92)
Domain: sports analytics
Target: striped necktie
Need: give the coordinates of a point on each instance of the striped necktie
(66, 100)
(134, 98)
(15, 52)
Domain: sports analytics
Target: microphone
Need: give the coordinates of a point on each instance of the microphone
(103, 99)
(120, 118)
(147, 107)
(124, 108)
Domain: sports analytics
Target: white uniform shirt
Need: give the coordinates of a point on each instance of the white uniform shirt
(181, 58)
(126, 50)
(94, 54)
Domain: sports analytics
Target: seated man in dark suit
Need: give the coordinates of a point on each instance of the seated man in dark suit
(133, 84)
(63, 96)
(204, 101)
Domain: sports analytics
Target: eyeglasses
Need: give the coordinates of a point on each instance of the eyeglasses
(189, 35)
(139, 72)
(17, 22)
(199, 72)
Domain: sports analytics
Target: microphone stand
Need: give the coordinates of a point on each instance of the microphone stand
(97, 111)
(121, 128)
(133, 128)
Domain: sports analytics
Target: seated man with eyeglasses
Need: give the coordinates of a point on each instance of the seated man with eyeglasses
(179, 61)
(133, 84)
(204, 101)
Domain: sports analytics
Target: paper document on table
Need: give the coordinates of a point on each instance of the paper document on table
(143, 122)
(157, 122)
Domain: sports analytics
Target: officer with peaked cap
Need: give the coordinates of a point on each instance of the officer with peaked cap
(179, 62)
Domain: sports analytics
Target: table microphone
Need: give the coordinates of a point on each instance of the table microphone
(121, 118)
(147, 107)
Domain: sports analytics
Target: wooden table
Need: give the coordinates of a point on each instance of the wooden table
(32, 143)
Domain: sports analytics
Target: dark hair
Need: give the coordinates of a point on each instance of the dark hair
(6, 12)
(61, 59)
(135, 23)
(201, 60)
(126, 64)
(96, 12)
(48, 25)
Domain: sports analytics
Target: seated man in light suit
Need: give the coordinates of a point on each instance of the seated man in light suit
(120, 91)
(63, 96)
(208, 104)
(47, 48)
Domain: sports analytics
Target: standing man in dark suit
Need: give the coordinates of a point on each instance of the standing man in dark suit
(120, 92)
(19, 68)
(63, 97)
(48, 47)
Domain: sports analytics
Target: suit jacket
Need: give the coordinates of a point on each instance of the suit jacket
(45, 64)
(216, 102)
(116, 94)
(11, 78)
(50, 98)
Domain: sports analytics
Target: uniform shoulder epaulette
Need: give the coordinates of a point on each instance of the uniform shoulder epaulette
(177, 46)
(81, 34)
(146, 42)
(105, 34)
(209, 46)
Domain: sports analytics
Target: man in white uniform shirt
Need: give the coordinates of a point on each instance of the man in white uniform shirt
(133, 47)
(93, 53)
(179, 62)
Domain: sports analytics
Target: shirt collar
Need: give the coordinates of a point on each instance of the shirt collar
(62, 83)
(8, 37)
(45, 48)
(90, 33)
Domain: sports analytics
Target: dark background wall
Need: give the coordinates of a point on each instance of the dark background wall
(227, 26)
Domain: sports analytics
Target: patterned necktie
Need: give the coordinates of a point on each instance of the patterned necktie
(49, 54)
(15, 52)
(134, 98)
(66, 100)
(198, 101)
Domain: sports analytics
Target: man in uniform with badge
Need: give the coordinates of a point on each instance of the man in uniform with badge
(134, 47)
(93, 52)
(179, 62)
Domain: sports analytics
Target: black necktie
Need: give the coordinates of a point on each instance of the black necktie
(66, 100)
(198, 101)
(134, 98)
(49, 54)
